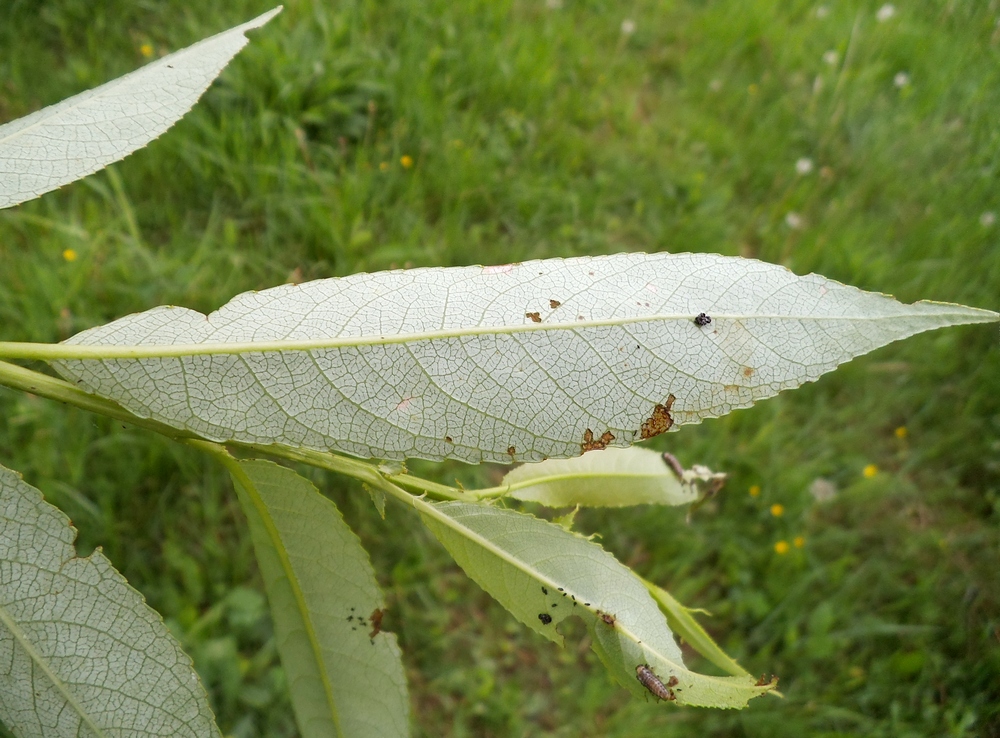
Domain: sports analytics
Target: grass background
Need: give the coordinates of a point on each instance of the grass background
(540, 129)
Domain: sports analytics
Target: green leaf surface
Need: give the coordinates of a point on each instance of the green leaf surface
(682, 622)
(81, 654)
(543, 574)
(614, 477)
(346, 680)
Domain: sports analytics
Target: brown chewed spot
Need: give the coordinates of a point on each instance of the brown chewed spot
(592, 444)
(554, 304)
(511, 450)
(536, 317)
(672, 681)
(747, 371)
(765, 682)
(608, 618)
(660, 421)
(376, 620)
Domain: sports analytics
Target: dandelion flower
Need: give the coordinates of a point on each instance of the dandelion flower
(902, 432)
(781, 548)
(901, 80)
(885, 12)
(146, 50)
(406, 160)
(69, 255)
(628, 27)
(869, 471)
(804, 166)
(777, 509)
(799, 541)
(755, 490)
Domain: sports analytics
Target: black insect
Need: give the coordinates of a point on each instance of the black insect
(702, 319)
(545, 618)
(652, 682)
(544, 591)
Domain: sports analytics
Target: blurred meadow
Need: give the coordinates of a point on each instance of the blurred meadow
(855, 551)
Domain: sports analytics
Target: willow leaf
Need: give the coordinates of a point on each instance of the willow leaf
(83, 134)
(517, 363)
(346, 678)
(81, 654)
(613, 477)
(543, 574)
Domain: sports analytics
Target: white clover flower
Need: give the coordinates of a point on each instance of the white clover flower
(885, 12)
(822, 11)
(794, 221)
(987, 219)
(553, 4)
(831, 57)
(901, 80)
(804, 166)
(715, 85)
(628, 27)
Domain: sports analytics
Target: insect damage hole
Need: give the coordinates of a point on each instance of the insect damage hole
(660, 421)
(595, 444)
(535, 317)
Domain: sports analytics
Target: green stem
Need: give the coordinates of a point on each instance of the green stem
(43, 385)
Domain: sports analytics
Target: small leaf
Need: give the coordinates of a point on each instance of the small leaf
(82, 653)
(614, 477)
(543, 574)
(443, 363)
(83, 134)
(682, 622)
(346, 678)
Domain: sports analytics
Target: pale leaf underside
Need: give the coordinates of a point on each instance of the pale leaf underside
(83, 134)
(81, 654)
(515, 363)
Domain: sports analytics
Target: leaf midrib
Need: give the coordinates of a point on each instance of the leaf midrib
(70, 351)
(19, 635)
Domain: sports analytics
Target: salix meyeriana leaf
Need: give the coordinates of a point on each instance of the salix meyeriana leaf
(81, 654)
(84, 133)
(515, 363)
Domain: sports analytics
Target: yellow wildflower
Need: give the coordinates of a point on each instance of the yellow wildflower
(799, 541)
(69, 255)
(902, 432)
(753, 89)
(406, 160)
(869, 471)
(777, 510)
(384, 166)
(755, 490)
(146, 50)
(781, 548)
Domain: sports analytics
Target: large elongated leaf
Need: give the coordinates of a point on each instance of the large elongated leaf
(517, 363)
(346, 679)
(83, 134)
(544, 574)
(81, 654)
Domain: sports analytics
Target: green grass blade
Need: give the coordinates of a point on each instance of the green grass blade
(344, 681)
(83, 653)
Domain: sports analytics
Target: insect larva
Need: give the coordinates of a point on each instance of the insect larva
(652, 682)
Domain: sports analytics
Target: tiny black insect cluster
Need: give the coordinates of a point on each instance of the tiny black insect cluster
(701, 319)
